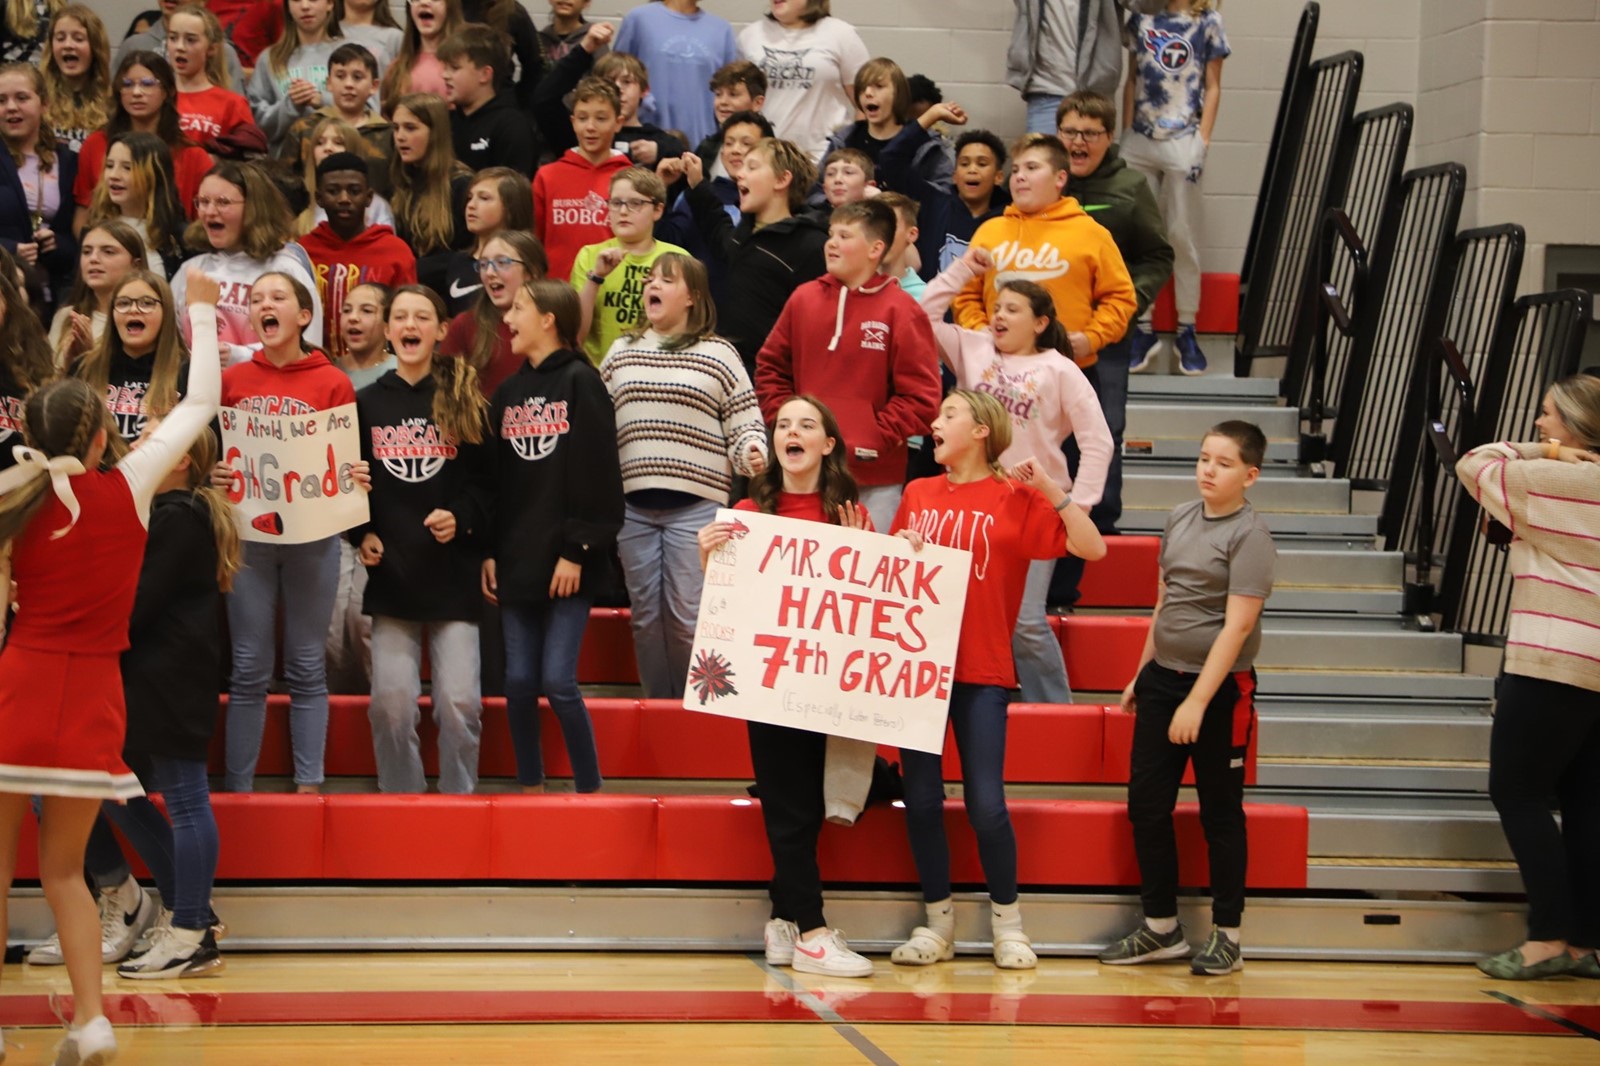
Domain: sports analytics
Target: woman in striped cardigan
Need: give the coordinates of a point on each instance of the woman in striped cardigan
(687, 420)
(1546, 737)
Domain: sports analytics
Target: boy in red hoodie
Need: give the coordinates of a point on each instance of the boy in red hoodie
(855, 340)
(569, 194)
(345, 252)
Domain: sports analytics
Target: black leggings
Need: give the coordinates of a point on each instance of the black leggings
(789, 765)
(1546, 743)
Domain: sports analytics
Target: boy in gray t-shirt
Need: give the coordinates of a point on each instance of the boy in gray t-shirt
(1194, 694)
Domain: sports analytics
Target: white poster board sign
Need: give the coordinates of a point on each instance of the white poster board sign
(292, 479)
(838, 631)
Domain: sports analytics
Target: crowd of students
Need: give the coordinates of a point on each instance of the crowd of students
(570, 340)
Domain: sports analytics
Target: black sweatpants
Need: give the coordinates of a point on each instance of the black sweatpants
(1546, 744)
(1157, 771)
(789, 764)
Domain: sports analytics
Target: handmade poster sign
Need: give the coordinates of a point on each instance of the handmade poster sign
(292, 479)
(834, 630)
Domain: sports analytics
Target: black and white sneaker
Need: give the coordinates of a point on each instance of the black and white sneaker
(121, 929)
(176, 953)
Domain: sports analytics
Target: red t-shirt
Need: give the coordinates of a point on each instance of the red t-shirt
(803, 505)
(458, 341)
(1005, 526)
(190, 164)
(211, 113)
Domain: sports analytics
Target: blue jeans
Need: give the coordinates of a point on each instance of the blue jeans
(660, 552)
(542, 643)
(181, 853)
(1041, 668)
(103, 861)
(978, 714)
(1041, 116)
(304, 579)
(1109, 376)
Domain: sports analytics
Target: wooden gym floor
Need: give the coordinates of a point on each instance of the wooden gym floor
(347, 1009)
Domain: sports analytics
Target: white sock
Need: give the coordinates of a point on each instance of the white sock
(1164, 926)
(1231, 934)
(942, 918)
(1006, 917)
(128, 895)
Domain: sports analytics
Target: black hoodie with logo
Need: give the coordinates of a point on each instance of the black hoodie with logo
(417, 468)
(553, 482)
(498, 134)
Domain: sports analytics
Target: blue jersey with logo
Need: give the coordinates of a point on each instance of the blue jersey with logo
(1170, 52)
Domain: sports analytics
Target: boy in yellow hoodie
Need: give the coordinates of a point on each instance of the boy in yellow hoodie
(1045, 237)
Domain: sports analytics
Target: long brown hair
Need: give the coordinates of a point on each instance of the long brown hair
(24, 347)
(21, 18)
(458, 405)
(1043, 305)
(216, 58)
(702, 320)
(353, 142)
(381, 15)
(516, 197)
(168, 127)
(83, 299)
(1577, 400)
(397, 80)
(167, 357)
(486, 317)
(224, 522)
(45, 149)
(163, 207)
(284, 47)
(58, 419)
(423, 203)
(267, 225)
(82, 108)
(835, 484)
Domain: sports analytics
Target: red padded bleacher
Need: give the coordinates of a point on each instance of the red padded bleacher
(657, 739)
(1219, 306)
(1101, 650)
(605, 838)
(1126, 577)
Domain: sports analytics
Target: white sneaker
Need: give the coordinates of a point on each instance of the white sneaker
(780, 936)
(93, 1044)
(47, 953)
(119, 929)
(828, 954)
(176, 953)
(142, 945)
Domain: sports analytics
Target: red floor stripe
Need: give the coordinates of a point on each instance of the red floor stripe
(864, 1007)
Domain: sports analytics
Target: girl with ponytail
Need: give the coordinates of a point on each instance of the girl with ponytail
(1024, 361)
(1004, 520)
(422, 429)
(25, 363)
(68, 520)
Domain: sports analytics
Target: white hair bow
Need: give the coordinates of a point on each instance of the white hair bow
(32, 463)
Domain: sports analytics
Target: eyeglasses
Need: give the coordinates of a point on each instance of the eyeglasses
(221, 203)
(499, 264)
(630, 205)
(140, 83)
(1080, 135)
(124, 304)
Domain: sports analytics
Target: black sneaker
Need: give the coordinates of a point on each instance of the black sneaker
(1220, 956)
(1144, 944)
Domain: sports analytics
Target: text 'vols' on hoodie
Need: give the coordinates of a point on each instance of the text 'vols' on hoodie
(1065, 250)
(867, 353)
(570, 209)
(373, 255)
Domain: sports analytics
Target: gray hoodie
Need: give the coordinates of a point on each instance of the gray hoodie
(1092, 48)
(269, 90)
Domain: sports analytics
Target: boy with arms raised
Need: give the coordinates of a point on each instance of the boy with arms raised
(345, 252)
(486, 127)
(947, 219)
(772, 251)
(610, 276)
(1046, 237)
(1194, 695)
(859, 344)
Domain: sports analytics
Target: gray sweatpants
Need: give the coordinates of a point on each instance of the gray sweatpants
(1166, 166)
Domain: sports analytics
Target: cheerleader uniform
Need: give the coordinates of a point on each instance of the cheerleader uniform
(62, 715)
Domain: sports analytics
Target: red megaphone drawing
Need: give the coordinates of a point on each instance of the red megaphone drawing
(272, 523)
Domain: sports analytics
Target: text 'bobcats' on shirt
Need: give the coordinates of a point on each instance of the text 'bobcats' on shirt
(554, 481)
(308, 384)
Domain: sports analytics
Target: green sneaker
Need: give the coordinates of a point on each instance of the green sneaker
(1588, 966)
(1144, 944)
(1220, 956)
(1508, 966)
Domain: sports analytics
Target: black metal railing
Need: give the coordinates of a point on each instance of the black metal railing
(1547, 343)
(1278, 277)
(1413, 249)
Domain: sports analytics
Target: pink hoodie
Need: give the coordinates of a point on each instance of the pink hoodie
(1049, 398)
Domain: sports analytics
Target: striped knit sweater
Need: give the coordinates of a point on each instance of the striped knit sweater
(1553, 508)
(685, 419)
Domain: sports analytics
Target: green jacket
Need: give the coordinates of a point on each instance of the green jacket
(1120, 199)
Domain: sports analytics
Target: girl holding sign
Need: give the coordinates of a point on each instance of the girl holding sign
(686, 421)
(285, 378)
(554, 486)
(810, 481)
(1005, 521)
(69, 516)
(420, 424)
(138, 364)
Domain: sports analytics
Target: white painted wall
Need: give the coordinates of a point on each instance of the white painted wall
(1505, 86)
